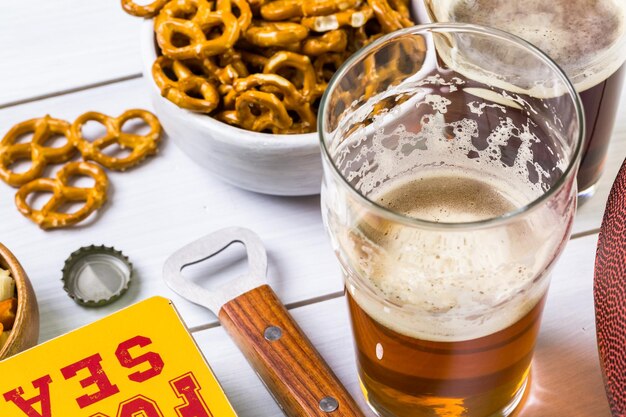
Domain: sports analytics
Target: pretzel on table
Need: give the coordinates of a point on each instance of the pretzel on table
(140, 146)
(148, 10)
(49, 217)
(182, 27)
(40, 155)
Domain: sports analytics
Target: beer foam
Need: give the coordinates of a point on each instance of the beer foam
(451, 285)
(586, 38)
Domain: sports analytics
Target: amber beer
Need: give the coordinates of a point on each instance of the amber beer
(448, 200)
(465, 347)
(586, 38)
(405, 376)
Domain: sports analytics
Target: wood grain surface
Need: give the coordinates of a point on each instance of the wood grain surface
(285, 360)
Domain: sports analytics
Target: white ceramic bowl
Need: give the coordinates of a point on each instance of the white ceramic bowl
(287, 165)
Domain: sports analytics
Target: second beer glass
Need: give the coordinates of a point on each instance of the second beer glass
(450, 156)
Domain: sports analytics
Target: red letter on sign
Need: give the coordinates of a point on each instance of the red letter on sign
(43, 385)
(187, 388)
(139, 406)
(96, 377)
(127, 361)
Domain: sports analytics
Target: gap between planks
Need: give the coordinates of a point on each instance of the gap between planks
(70, 91)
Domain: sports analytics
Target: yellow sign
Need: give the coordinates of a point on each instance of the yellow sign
(139, 362)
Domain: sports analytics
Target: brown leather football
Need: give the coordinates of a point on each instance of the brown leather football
(610, 296)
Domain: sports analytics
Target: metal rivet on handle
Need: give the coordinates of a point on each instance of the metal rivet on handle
(328, 404)
(273, 333)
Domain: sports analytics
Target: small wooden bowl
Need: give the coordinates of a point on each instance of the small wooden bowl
(25, 332)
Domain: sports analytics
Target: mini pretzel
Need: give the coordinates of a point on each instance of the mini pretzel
(302, 64)
(225, 68)
(184, 88)
(140, 145)
(268, 34)
(40, 156)
(322, 64)
(185, 29)
(48, 217)
(269, 113)
(149, 10)
(245, 14)
(392, 14)
(333, 41)
(291, 97)
(288, 9)
(353, 18)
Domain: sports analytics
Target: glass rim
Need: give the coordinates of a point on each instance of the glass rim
(466, 28)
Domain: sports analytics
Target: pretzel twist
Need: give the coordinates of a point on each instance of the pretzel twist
(333, 41)
(269, 34)
(148, 10)
(181, 86)
(49, 217)
(245, 13)
(326, 65)
(226, 68)
(191, 29)
(40, 156)
(140, 146)
(392, 14)
(289, 9)
(304, 74)
(263, 109)
(355, 18)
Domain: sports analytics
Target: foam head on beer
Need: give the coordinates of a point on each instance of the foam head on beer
(448, 155)
(586, 38)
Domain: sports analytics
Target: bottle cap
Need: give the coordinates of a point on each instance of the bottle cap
(96, 275)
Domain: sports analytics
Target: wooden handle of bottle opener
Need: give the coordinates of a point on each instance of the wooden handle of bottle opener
(295, 373)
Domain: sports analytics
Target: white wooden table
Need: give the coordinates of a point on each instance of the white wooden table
(67, 57)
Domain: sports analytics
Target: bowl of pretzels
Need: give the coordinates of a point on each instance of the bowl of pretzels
(237, 84)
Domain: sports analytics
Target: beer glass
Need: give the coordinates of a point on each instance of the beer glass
(450, 154)
(587, 39)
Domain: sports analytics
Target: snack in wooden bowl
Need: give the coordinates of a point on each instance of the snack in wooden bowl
(19, 313)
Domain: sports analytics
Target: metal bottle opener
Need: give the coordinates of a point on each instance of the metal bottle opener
(249, 310)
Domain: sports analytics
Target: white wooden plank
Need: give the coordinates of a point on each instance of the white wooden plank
(51, 46)
(566, 372)
(154, 210)
(166, 203)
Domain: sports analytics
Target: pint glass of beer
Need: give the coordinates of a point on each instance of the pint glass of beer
(450, 154)
(586, 38)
